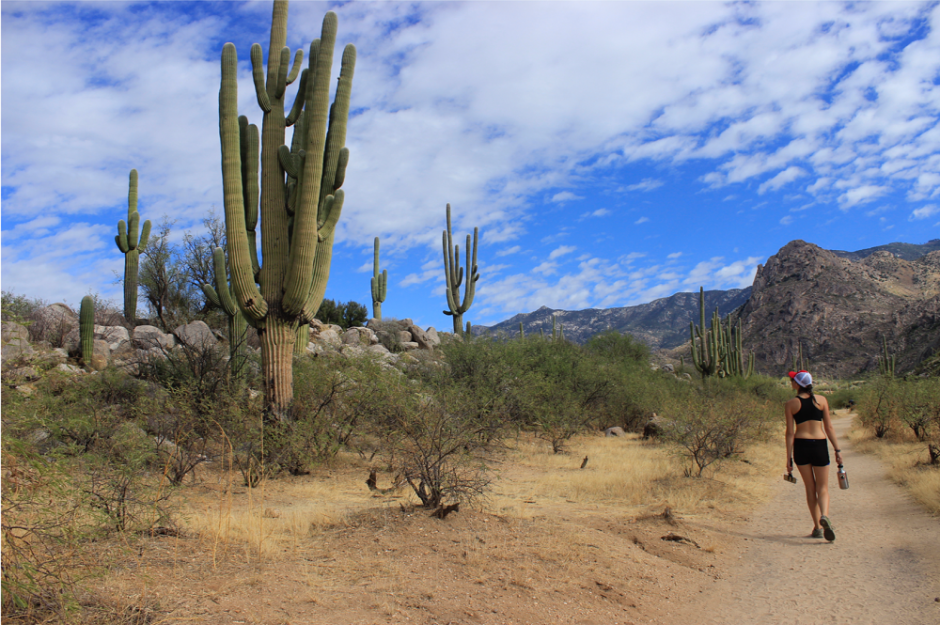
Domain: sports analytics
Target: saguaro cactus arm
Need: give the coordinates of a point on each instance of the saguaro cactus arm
(131, 247)
(243, 278)
(379, 283)
(86, 328)
(454, 273)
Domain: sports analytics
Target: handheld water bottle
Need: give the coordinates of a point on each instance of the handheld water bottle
(843, 478)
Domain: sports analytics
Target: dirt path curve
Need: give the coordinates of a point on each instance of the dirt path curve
(882, 569)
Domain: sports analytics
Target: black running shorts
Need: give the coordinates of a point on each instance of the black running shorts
(811, 451)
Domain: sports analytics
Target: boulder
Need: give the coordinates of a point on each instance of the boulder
(432, 337)
(116, 336)
(327, 335)
(69, 369)
(614, 431)
(21, 374)
(409, 346)
(15, 341)
(196, 335)
(668, 368)
(150, 337)
(420, 337)
(404, 336)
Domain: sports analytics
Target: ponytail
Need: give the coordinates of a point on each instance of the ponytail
(809, 389)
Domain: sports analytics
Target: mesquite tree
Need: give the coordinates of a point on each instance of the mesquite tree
(300, 196)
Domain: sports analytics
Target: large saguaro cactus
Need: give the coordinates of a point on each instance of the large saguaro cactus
(453, 273)
(128, 243)
(221, 297)
(300, 196)
(379, 284)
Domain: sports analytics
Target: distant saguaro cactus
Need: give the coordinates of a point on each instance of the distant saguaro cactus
(131, 247)
(86, 329)
(454, 274)
(299, 212)
(379, 284)
(887, 361)
(720, 352)
(221, 297)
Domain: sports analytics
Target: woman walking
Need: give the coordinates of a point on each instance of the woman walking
(808, 427)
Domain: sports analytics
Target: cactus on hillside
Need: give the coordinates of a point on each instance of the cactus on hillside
(798, 364)
(454, 274)
(720, 351)
(131, 247)
(221, 297)
(521, 331)
(86, 329)
(300, 195)
(379, 284)
(887, 361)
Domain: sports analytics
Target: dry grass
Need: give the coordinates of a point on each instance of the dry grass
(906, 463)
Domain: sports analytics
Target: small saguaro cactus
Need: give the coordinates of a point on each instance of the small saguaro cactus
(221, 297)
(379, 284)
(86, 329)
(131, 247)
(521, 331)
(454, 275)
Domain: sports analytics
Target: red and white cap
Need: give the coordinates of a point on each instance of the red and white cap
(803, 378)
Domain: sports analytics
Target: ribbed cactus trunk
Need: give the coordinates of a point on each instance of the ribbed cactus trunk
(300, 195)
(129, 244)
(379, 284)
(221, 297)
(86, 329)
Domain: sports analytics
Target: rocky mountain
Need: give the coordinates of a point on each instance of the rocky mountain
(839, 309)
(907, 251)
(661, 324)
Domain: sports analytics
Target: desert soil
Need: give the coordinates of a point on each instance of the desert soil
(883, 567)
(563, 562)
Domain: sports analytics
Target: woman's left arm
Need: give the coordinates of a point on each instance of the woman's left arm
(830, 431)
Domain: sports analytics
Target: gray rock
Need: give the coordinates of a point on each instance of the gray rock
(116, 336)
(69, 369)
(196, 334)
(404, 336)
(352, 351)
(668, 368)
(328, 336)
(409, 346)
(13, 330)
(614, 431)
(420, 337)
(432, 337)
(150, 337)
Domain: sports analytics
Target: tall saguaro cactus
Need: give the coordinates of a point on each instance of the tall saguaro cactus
(300, 195)
(221, 297)
(454, 275)
(131, 247)
(379, 284)
(887, 361)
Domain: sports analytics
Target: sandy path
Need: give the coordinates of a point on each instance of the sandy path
(883, 568)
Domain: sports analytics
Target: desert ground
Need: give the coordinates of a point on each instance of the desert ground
(553, 544)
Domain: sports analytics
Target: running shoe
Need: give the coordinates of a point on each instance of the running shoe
(817, 533)
(828, 529)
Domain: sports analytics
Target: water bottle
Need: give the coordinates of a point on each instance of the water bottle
(843, 478)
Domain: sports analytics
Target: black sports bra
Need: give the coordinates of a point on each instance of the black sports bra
(808, 411)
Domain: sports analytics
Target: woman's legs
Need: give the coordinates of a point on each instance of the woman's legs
(807, 472)
(821, 475)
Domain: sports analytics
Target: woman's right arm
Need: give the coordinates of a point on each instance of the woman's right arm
(791, 432)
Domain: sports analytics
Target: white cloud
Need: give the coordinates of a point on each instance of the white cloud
(786, 220)
(785, 177)
(561, 251)
(601, 212)
(861, 195)
(565, 196)
(515, 249)
(647, 184)
(924, 212)
(641, 220)
(674, 255)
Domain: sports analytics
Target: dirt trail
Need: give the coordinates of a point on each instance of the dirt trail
(884, 566)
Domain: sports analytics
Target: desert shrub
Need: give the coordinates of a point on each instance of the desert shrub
(43, 528)
(881, 404)
(432, 446)
(844, 398)
(710, 424)
(344, 314)
(203, 369)
(921, 406)
(616, 347)
(18, 308)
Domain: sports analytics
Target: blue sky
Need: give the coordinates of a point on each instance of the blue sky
(611, 153)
